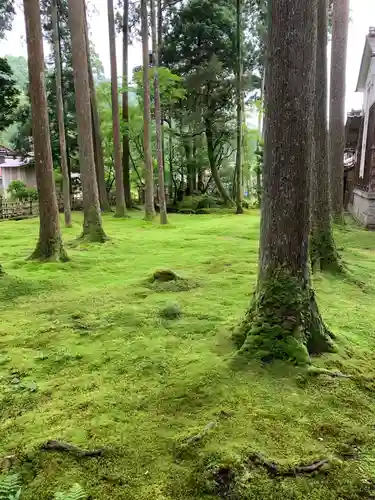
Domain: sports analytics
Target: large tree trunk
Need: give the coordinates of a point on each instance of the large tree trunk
(60, 115)
(340, 24)
(120, 195)
(323, 250)
(283, 321)
(50, 245)
(159, 142)
(213, 165)
(96, 132)
(92, 226)
(149, 174)
(125, 105)
(238, 176)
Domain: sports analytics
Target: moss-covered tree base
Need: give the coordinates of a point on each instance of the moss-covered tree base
(50, 251)
(323, 253)
(283, 322)
(93, 233)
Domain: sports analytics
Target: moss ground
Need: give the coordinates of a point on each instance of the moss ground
(86, 357)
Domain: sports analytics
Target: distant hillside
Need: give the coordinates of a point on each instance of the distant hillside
(20, 70)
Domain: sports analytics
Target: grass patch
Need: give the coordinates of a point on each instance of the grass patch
(87, 357)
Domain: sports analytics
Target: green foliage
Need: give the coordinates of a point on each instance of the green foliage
(7, 12)
(9, 95)
(20, 71)
(10, 487)
(19, 191)
(76, 492)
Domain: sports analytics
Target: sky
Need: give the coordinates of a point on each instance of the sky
(362, 17)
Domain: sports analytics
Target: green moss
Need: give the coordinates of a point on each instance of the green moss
(283, 322)
(109, 372)
(323, 253)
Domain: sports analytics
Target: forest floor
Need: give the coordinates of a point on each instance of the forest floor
(87, 357)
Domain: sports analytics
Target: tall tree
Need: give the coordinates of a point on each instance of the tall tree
(149, 175)
(239, 100)
(125, 104)
(159, 143)
(120, 195)
(60, 115)
(96, 131)
(340, 26)
(323, 252)
(92, 225)
(50, 245)
(283, 321)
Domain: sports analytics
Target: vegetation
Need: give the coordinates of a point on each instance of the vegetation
(187, 360)
(87, 358)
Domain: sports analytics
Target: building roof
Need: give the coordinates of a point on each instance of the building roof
(4, 151)
(16, 162)
(368, 53)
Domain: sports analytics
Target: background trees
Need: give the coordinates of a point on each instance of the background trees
(340, 25)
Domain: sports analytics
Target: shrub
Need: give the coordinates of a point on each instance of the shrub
(19, 191)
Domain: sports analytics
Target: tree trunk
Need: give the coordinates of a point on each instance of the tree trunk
(92, 225)
(283, 321)
(149, 174)
(323, 252)
(159, 142)
(60, 116)
(120, 195)
(213, 166)
(125, 106)
(50, 245)
(340, 24)
(238, 173)
(171, 193)
(96, 132)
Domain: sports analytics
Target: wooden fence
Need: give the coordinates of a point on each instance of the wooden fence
(17, 210)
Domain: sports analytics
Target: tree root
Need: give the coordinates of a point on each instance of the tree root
(190, 441)
(275, 470)
(60, 446)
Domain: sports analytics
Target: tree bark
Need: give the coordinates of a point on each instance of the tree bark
(120, 195)
(50, 245)
(283, 321)
(60, 115)
(96, 132)
(92, 225)
(340, 26)
(213, 165)
(171, 193)
(323, 252)
(159, 141)
(125, 106)
(238, 173)
(149, 174)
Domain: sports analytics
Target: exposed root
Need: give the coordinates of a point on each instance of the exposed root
(193, 440)
(274, 469)
(63, 447)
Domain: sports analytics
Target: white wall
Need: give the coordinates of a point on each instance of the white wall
(26, 175)
(371, 79)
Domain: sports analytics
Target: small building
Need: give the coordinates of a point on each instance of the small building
(360, 143)
(14, 167)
